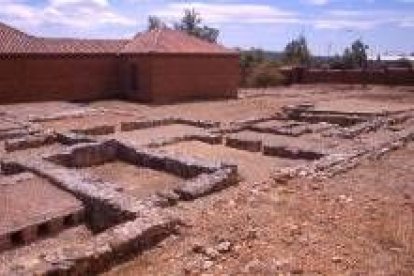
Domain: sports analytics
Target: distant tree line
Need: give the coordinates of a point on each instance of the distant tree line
(191, 23)
(354, 57)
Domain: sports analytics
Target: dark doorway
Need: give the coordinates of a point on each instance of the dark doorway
(134, 82)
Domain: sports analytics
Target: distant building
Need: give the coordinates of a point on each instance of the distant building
(157, 66)
(392, 61)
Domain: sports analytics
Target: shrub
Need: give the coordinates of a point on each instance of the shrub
(264, 75)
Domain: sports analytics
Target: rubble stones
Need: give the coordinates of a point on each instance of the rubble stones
(31, 141)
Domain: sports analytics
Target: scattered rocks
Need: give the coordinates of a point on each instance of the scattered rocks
(337, 259)
(224, 247)
(207, 265)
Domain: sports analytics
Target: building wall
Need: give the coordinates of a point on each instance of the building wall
(381, 77)
(186, 77)
(136, 75)
(149, 78)
(58, 78)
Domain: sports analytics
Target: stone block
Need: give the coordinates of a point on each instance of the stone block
(5, 242)
(29, 142)
(98, 130)
(212, 139)
(206, 184)
(29, 233)
(72, 138)
(291, 152)
(130, 126)
(248, 145)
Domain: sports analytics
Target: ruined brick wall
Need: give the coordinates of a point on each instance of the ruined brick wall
(185, 77)
(388, 77)
(43, 78)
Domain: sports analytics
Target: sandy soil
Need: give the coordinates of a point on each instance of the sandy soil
(88, 122)
(39, 200)
(360, 223)
(137, 181)
(145, 136)
(26, 111)
(263, 102)
(252, 166)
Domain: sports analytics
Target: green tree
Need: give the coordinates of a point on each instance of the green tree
(191, 23)
(155, 22)
(297, 52)
(356, 56)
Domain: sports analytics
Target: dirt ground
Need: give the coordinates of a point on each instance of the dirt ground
(39, 201)
(252, 166)
(146, 136)
(251, 102)
(137, 181)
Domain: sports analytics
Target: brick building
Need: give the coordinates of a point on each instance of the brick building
(156, 66)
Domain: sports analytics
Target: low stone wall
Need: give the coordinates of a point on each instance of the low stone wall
(16, 133)
(107, 206)
(41, 228)
(123, 225)
(343, 120)
(97, 130)
(208, 183)
(294, 129)
(335, 164)
(143, 124)
(102, 251)
(212, 139)
(358, 129)
(291, 152)
(71, 139)
(244, 144)
(31, 141)
(179, 165)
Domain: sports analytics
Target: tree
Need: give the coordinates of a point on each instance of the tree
(191, 23)
(251, 57)
(356, 56)
(336, 62)
(155, 22)
(297, 52)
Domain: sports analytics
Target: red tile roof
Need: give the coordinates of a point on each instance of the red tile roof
(13, 41)
(78, 46)
(171, 41)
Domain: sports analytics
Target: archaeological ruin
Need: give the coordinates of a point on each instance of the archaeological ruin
(85, 188)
